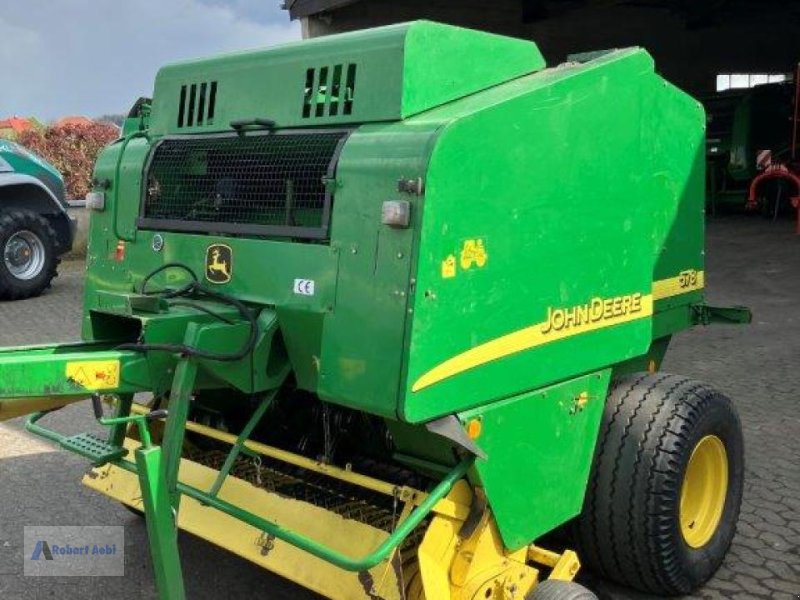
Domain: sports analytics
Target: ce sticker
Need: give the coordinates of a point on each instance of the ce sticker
(304, 287)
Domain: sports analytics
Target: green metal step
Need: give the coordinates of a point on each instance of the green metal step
(90, 446)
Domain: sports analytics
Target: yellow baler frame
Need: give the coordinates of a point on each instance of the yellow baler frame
(446, 565)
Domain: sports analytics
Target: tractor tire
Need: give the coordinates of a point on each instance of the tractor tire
(551, 589)
(665, 489)
(28, 254)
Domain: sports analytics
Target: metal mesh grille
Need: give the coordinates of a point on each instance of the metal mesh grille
(258, 184)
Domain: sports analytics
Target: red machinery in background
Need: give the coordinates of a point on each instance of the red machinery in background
(781, 168)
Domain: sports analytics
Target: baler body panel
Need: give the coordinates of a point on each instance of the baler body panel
(271, 283)
(460, 302)
(539, 249)
(531, 441)
(383, 74)
(123, 164)
(362, 269)
(364, 336)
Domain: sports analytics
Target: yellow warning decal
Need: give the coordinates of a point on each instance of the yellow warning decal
(560, 323)
(94, 374)
(449, 267)
(473, 253)
(686, 281)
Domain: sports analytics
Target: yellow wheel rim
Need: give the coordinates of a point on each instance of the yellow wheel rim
(703, 492)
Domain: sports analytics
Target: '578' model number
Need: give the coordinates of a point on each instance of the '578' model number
(688, 279)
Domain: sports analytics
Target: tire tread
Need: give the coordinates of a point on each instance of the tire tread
(16, 219)
(626, 532)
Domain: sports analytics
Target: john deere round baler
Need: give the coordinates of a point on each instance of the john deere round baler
(399, 299)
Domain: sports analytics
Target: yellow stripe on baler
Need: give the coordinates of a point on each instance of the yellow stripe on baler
(545, 332)
(686, 281)
(609, 312)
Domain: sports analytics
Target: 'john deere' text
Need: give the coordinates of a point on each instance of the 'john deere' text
(594, 311)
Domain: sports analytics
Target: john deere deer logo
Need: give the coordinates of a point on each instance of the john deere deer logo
(219, 263)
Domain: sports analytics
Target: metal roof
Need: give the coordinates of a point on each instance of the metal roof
(696, 14)
(303, 8)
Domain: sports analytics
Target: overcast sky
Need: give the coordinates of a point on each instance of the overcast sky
(93, 57)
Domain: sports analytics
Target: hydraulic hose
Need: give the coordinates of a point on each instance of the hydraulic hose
(194, 289)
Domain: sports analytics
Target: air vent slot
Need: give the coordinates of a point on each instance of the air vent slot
(197, 104)
(329, 91)
(192, 97)
(212, 103)
(350, 89)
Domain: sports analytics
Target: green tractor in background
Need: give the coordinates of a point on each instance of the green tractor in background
(35, 229)
(743, 125)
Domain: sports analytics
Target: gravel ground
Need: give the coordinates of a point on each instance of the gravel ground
(750, 262)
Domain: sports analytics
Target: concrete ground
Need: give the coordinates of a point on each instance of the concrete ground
(750, 261)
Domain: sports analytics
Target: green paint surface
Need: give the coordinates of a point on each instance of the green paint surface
(563, 220)
(397, 71)
(580, 183)
(539, 446)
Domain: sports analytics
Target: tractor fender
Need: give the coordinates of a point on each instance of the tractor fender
(32, 194)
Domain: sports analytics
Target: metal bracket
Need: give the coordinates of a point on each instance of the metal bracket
(450, 427)
(704, 314)
(413, 186)
(255, 419)
(477, 511)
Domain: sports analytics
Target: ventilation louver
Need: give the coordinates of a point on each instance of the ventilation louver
(197, 104)
(329, 91)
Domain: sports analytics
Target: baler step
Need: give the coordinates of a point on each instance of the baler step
(90, 446)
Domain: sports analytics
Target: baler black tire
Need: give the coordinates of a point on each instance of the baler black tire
(12, 222)
(551, 589)
(629, 530)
